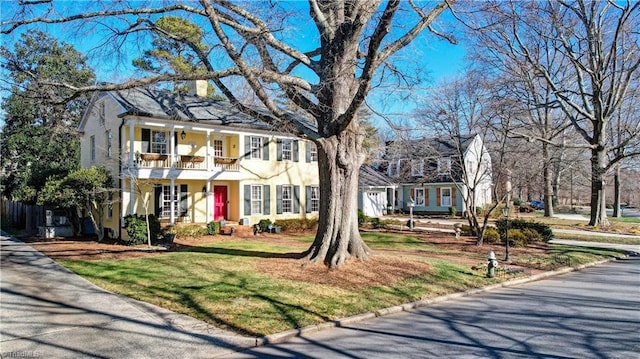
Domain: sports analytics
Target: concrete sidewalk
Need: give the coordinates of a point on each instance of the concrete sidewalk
(47, 311)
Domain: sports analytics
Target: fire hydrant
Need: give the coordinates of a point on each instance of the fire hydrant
(492, 263)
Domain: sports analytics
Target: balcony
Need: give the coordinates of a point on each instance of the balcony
(185, 162)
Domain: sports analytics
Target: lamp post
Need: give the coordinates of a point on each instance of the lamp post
(505, 212)
(411, 204)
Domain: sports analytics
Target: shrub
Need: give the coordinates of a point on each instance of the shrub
(543, 230)
(362, 218)
(531, 234)
(517, 238)
(377, 223)
(213, 228)
(297, 224)
(479, 211)
(517, 202)
(264, 224)
(453, 210)
(192, 230)
(491, 235)
(136, 228)
(466, 229)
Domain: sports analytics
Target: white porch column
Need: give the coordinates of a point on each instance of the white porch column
(132, 196)
(208, 157)
(172, 195)
(172, 150)
(131, 142)
(208, 199)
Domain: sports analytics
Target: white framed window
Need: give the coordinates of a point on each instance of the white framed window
(159, 142)
(445, 197)
(287, 199)
(315, 199)
(417, 168)
(418, 194)
(256, 200)
(217, 148)
(256, 147)
(444, 166)
(394, 168)
(287, 150)
(92, 147)
(313, 152)
(108, 140)
(166, 201)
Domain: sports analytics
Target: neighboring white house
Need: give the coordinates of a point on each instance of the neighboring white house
(376, 192)
(431, 177)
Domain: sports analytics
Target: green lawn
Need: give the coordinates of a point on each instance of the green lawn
(219, 283)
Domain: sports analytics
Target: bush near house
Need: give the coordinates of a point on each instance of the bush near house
(297, 224)
(193, 230)
(136, 228)
(213, 228)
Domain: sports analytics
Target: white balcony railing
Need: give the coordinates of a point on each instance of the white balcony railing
(187, 162)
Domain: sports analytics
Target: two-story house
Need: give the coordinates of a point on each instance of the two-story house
(435, 174)
(190, 159)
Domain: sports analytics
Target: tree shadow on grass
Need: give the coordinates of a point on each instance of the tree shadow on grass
(238, 252)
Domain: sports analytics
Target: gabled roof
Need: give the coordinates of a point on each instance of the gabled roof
(369, 177)
(430, 147)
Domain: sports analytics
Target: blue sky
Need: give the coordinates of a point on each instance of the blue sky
(428, 54)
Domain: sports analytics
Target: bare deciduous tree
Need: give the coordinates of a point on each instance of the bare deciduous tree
(596, 43)
(350, 42)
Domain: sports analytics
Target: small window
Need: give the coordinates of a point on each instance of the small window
(444, 166)
(92, 145)
(217, 148)
(256, 200)
(419, 196)
(256, 147)
(159, 142)
(287, 150)
(313, 152)
(417, 168)
(315, 199)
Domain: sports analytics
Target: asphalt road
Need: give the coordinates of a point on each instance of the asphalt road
(588, 314)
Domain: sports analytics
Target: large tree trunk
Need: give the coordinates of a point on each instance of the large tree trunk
(338, 237)
(598, 200)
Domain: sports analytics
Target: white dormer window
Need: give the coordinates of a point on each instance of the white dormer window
(444, 166)
(417, 168)
(394, 169)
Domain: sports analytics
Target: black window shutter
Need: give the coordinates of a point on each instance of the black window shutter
(247, 146)
(265, 148)
(266, 199)
(156, 195)
(296, 199)
(278, 199)
(184, 199)
(308, 151)
(296, 157)
(307, 199)
(146, 140)
(279, 150)
(247, 200)
(175, 142)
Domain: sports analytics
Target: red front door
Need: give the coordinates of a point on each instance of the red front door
(219, 202)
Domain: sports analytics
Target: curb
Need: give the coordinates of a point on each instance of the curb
(286, 335)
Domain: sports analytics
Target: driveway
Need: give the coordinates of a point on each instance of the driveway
(47, 311)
